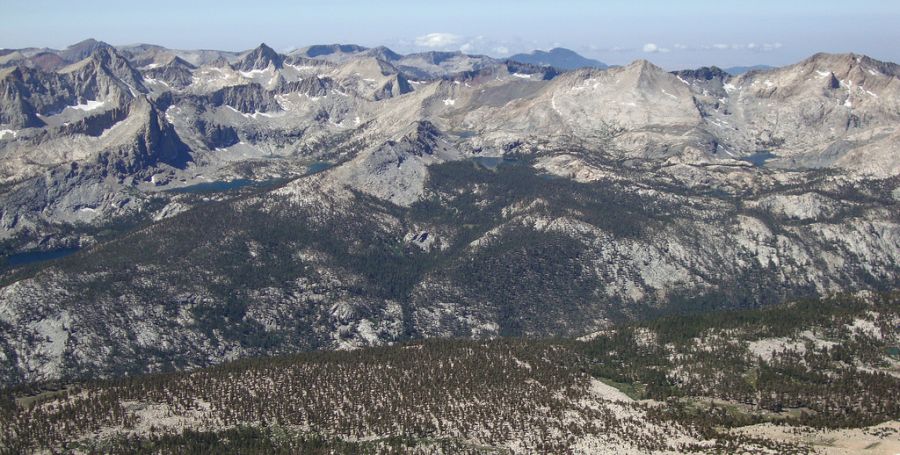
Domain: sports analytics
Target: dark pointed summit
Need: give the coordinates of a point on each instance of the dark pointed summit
(103, 68)
(118, 65)
(82, 49)
(259, 59)
(706, 73)
(179, 62)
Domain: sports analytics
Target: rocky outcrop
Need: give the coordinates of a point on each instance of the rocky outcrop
(217, 136)
(175, 72)
(312, 86)
(246, 98)
(15, 110)
(259, 59)
(83, 49)
(156, 142)
(396, 86)
(104, 73)
(706, 73)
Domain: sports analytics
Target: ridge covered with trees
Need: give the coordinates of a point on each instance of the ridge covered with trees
(834, 365)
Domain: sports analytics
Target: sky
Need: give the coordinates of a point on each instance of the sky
(673, 34)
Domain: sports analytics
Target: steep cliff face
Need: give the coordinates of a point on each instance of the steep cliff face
(154, 143)
(16, 110)
(245, 98)
(106, 74)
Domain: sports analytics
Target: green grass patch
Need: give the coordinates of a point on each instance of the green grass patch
(634, 391)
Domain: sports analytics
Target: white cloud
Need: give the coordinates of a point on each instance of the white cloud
(488, 45)
(469, 44)
(438, 40)
(753, 47)
(652, 48)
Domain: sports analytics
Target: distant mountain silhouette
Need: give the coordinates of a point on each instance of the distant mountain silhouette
(558, 58)
(736, 70)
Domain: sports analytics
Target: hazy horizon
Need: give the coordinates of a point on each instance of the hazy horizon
(683, 35)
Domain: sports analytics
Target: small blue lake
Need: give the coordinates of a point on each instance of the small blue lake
(228, 185)
(759, 158)
(215, 187)
(317, 167)
(31, 257)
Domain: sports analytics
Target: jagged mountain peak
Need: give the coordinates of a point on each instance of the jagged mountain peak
(106, 55)
(104, 68)
(847, 72)
(842, 64)
(260, 58)
(642, 65)
(177, 61)
(118, 64)
(644, 71)
(172, 70)
(89, 42)
(83, 49)
(423, 130)
(705, 73)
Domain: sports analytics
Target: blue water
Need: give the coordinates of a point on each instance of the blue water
(317, 167)
(31, 257)
(759, 158)
(223, 185)
(214, 187)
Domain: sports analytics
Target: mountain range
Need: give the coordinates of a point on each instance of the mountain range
(638, 187)
(166, 210)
